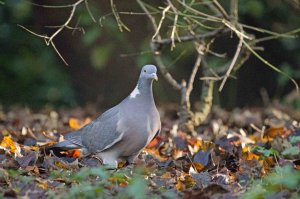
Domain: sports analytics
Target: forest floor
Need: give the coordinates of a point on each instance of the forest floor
(242, 153)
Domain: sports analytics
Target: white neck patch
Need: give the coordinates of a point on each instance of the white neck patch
(135, 92)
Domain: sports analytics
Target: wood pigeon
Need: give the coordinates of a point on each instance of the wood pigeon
(122, 131)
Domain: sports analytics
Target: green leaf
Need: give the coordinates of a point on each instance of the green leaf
(285, 176)
(294, 139)
(100, 55)
(138, 188)
(294, 150)
(91, 35)
(265, 152)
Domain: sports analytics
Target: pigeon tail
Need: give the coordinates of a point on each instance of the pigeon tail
(62, 146)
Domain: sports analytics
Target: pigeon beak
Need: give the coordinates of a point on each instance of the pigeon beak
(154, 76)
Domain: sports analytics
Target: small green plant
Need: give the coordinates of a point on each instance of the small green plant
(283, 179)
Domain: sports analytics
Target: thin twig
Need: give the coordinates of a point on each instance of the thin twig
(174, 31)
(153, 22)
(54, 47)
(161, 21)
(236, 31)
(67, 21)
(290, 34)
(236, 55)
(136, 54)
(49, 39)
(234, 9)
(117, 17)
(271, 65)
(165, 73)
(187, 38)
(80, 29)
(157, 56)
(137, 13)
(193, 75)
(46, 40)
(220, 9)
(207, 16)
(89, 11)
(50, 6)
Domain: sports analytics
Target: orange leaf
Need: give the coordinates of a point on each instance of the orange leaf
(273, 132)
(73, 153)
(157, 140)
(9, 145)
(250, 156)
(155, 153)
(199, 167)
(77, 124)
(123, 184)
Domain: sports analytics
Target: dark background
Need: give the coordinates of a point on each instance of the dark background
(32, 74)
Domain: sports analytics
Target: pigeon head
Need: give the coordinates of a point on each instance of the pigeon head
(148, 72)
(144, 85)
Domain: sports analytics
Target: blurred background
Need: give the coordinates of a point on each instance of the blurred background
(104, 63)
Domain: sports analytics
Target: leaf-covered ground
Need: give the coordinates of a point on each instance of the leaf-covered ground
(249, 153)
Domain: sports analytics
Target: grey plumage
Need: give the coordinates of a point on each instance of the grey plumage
(122, 131)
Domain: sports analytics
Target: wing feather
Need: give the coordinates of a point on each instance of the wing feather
(100, 134)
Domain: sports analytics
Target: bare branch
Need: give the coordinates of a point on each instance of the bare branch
(89, 11)
(234, 9)
(193, 75)
(236, 55)
(50, 6)
(46, 40)
(174, 31)
(35, 34)
(58, 53)
(190, 37)
(49, 39)
(137, 13)
(67, 22)
(197, 12)
(154, 49)
(80, 29)
(153, 22)
(220, 9)
(117, 17)
(160, 22)
(165, 73)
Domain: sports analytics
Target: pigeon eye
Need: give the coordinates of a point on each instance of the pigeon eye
(145, 71)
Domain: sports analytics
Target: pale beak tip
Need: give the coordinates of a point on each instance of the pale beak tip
(154, 76)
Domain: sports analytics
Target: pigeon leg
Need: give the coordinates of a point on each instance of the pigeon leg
(109, 159)
(130, 159)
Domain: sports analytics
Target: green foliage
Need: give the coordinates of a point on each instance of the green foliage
(264, 152)
(103, 183)
(283, 178)
(30, 73)
(294, 139)
(254, 8)
(294, 150)
(100, 55)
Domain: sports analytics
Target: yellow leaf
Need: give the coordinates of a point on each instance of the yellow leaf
(77, 124)
(9, 145)
(166, 175)
(179, 185)
(42, 183)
